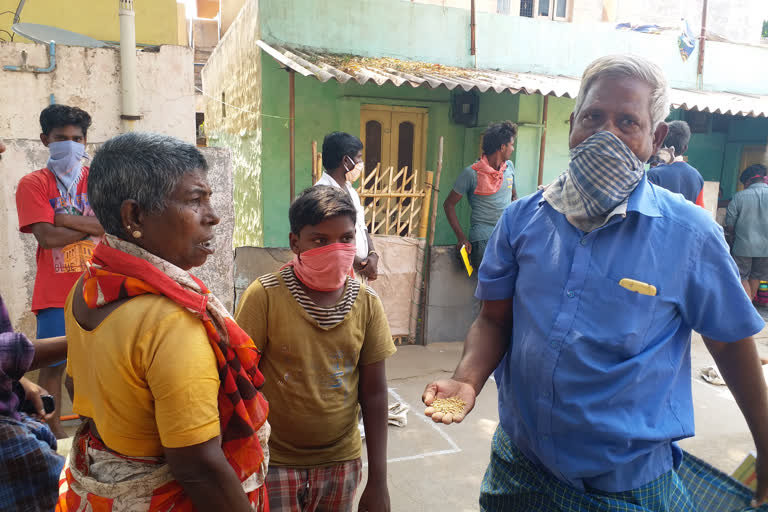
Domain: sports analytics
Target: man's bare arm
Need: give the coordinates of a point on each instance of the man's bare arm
(486, 344)
(742, 371)
(85, 224)
(52, 237)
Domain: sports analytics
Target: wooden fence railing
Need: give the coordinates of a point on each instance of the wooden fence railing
(396, 202)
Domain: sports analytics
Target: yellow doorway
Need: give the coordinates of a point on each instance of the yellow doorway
(394, 137)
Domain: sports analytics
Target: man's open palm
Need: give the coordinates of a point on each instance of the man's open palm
(448, 388)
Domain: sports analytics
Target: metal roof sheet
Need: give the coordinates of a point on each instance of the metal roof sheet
(327, 66)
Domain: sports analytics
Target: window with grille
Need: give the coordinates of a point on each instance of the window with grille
(502, 6)
(526, 8)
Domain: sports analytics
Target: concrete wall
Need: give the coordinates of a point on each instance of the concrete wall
(439, 34)
(17, 275)
(90, 79)
(229, 11)
(232, 76)
(451, 304)
(156, 20)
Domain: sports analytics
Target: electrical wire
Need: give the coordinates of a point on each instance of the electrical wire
(238, 108)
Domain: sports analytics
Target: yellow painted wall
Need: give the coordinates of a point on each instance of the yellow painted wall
(156, 20)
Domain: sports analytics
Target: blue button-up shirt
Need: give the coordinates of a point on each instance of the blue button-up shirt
(596, 383)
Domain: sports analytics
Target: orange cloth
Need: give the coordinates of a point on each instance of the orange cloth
(489, 180)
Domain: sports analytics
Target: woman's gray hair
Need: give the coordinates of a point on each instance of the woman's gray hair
(144, 167)
(630, 66)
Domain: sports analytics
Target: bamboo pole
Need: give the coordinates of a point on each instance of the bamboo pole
(424, 224)
(389, 201)
(314, 162)
(437, 190)
(428, 248)
(292, 130)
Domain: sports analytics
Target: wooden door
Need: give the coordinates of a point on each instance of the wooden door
(393, 137)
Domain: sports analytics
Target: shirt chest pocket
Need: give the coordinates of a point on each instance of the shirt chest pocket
(620, 317)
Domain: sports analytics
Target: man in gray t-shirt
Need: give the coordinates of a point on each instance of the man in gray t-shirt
(489, 185)
(746, 226)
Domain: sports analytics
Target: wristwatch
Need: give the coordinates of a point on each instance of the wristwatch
(373, 252)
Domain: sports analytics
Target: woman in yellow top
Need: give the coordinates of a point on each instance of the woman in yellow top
(165, 379)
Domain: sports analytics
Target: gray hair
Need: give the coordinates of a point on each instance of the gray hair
(144, 167)
(630, 66)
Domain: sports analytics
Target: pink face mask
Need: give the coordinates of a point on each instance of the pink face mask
(326, 268)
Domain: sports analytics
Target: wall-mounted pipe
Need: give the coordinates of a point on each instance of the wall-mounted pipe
(543, 143)
(702, 40)
(25, 68)
(130, 110)
(292, 130)
(472, 47)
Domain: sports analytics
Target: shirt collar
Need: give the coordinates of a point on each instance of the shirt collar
(758, 184)
(643, 200)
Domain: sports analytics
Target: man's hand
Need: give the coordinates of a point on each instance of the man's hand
(369, 267)
(33, 393)
(375, 497)
(464, 243)
(448, 388)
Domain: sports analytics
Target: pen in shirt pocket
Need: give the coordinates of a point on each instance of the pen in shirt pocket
(638, 287)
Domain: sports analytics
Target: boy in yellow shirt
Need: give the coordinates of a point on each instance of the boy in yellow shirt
(324, 338)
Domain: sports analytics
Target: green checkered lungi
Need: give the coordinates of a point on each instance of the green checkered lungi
(513, 483)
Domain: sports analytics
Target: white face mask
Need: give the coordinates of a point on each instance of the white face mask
(355, 173)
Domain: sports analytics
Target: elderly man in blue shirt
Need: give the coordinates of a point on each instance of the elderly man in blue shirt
(590, 289)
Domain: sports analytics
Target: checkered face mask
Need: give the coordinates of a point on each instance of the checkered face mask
(604, 171)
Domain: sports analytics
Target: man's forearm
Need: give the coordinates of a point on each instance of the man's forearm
(742, 371)
(373, 404)
(52, 237)
(453, 220)
(484, 348)
(48, 351)
(85, 224)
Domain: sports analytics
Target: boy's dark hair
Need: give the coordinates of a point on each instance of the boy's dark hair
(56, 116)
(496, 135)
(336, 146)
(317, 204)
(678, 137)
(753, 173)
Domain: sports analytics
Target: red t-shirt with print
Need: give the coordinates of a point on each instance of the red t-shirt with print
(58, 269)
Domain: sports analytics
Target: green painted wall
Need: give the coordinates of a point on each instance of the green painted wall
(325, 107)
(246, 161)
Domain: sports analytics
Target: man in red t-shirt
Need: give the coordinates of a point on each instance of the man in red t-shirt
(52, 204)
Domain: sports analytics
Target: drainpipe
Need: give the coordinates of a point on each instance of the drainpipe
(543, 143)
(292, 129)
(130, 111)
(472, 47)
(24, 67)
(702, 39)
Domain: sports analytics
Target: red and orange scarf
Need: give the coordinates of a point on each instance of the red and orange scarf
(114, 273)
(489, 180)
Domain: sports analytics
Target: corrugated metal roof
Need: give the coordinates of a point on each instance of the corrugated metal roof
(327, 66)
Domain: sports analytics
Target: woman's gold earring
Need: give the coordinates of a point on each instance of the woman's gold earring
(136, 234)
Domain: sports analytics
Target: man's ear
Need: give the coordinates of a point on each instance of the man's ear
(44, 139)
(293, 242)
(658, 136)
